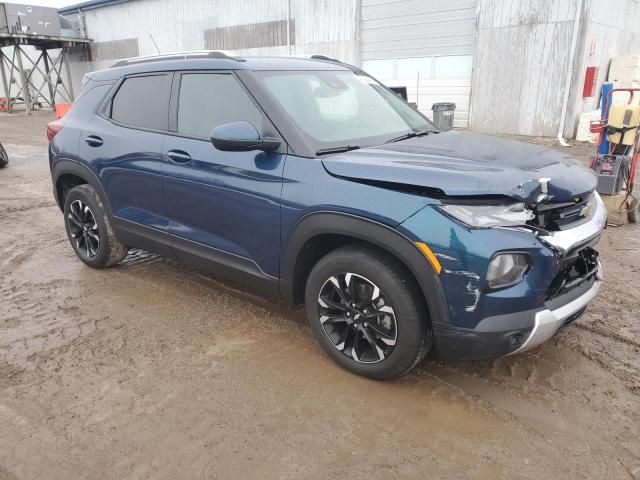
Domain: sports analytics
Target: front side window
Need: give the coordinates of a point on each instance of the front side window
(342, 107)
(143, 102)
(207, 100)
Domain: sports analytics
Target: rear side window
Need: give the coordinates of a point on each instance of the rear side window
(208, 100)
(143, 102)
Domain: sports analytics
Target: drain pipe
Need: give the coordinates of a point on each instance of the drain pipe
(567, 83)
(289, 27)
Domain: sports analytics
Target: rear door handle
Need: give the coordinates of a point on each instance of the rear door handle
(94, 140)
(178, 156)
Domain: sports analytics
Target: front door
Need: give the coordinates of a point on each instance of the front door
(225, 205)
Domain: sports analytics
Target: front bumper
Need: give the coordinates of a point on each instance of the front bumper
(548, 322)
(511, 333)
(505, 332)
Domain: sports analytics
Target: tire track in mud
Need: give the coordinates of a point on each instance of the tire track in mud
(26, 206)
(38, 317)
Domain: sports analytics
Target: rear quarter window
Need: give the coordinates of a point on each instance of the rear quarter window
(143, 102)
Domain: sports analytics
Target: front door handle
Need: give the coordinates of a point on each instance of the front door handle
(179, 156)
(94, 140)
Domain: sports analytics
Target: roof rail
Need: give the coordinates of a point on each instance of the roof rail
(220, 54)
(324, 57)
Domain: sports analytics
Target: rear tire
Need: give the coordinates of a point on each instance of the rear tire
(367, 313)
(89, 229)
(4, 158)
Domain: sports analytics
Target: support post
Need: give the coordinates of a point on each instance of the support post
(45, 59)
(5, 85)
(65, 52)
(23, 80)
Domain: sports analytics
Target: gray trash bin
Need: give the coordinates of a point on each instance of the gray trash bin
(443, 115)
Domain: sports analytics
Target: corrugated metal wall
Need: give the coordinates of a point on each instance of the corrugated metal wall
(611, 29)
(329, 27)
(438, 34)
(521, 58)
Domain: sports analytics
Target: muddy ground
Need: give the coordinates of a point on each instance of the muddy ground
(154, 370)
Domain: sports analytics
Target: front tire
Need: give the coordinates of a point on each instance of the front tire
(89, 229)
(366, 312)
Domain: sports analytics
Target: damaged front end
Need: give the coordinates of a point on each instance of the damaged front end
(513, 274)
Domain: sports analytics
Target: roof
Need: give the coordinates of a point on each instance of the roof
(213, 61)
(89, 5)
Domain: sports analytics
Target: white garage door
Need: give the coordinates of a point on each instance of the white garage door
(423, 45)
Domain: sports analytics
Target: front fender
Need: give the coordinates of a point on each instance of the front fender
(378, 234)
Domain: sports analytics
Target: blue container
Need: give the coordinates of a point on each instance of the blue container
(604, 143)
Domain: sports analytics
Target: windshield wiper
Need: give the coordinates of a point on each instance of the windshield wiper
(404, 136)
(411, 134)
(327, 151)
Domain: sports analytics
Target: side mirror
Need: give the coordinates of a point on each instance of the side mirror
(241, 137)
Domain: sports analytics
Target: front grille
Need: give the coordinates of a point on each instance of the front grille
(573, 271)
(561, 215)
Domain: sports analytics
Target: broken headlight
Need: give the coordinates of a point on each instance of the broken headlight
(506, 269)
(483, 216)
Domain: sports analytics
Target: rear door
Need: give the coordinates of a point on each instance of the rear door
(123, 143)
(224, 205)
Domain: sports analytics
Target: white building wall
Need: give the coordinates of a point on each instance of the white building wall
(327, 27)
(521, 59)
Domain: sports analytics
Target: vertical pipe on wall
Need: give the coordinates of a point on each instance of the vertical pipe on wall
(567, 83)
(289, 27)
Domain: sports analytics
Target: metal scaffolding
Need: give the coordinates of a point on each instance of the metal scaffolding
(36, 83)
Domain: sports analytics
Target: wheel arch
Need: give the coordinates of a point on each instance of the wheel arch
(318, 233)
(70, 172)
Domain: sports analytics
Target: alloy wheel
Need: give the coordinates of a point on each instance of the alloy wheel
(83, 228)
(357, 317)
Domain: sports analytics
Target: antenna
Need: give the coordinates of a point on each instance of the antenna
(154, 43)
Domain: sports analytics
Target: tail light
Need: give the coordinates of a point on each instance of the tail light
(53, 128)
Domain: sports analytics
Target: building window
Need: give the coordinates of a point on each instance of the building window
(411, 67)
(441, 67)
(455, 66)
(380, 68)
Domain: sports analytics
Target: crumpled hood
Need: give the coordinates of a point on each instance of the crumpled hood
(467, 164)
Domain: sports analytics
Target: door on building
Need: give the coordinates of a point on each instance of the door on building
(222, 205)
(426, 47)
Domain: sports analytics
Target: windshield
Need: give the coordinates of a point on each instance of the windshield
(343, 108)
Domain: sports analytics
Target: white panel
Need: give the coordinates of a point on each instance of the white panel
(416, 28)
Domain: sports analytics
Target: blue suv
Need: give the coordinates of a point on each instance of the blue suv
(309, 181)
